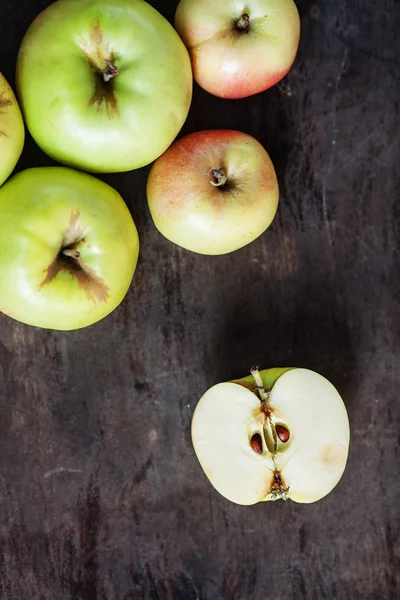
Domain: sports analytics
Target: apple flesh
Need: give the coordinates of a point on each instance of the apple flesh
(279, 433)
(68, 248)
(105, 85)
(239, 49)
(213, 192)
(12, 131)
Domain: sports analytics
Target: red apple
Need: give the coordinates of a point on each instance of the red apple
(213, 192)
(239, 49)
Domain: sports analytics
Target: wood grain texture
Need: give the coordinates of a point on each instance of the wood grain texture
(101, 496)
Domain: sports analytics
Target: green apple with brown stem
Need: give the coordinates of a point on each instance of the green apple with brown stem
(105, 85)
(12, 130)
(277, 434)
(68, 248)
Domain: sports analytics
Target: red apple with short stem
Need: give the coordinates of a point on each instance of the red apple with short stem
(213, 192)
(239, 49)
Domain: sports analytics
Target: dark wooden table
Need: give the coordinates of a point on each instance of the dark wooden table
(101, 496)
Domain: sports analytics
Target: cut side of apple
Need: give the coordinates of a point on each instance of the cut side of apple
(288, 440)
(226, 419)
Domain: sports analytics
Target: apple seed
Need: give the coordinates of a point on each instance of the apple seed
(256, 443)
(283, 433)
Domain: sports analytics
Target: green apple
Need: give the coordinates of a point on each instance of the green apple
(280, 433)
(68, 248)
(105, 85)
(12, 131)
(213, 192)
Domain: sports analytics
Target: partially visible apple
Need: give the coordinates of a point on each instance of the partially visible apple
(68, 248)
(105, 85)
(280, 433)
(239, 48)
(12, 131)
(213, 191)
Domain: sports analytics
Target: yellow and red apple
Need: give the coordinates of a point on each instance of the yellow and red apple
(282, 433)
(239, 48)
(213, 192)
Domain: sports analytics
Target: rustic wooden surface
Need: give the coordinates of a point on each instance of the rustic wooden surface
(101, 496)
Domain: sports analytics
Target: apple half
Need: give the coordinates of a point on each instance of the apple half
(277, 434)
(12, 130)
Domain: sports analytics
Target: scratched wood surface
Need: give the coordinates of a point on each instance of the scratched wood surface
(101, 496)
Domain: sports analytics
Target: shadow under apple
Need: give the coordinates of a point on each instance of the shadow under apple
(303, 325)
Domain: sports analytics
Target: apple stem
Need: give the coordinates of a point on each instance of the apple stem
(264, 395)
(71, 253)
(110, 71)
(218, 178)
(243, 24)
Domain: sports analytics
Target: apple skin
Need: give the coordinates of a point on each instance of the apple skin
(12, 130)
(235, 64)
(43, 210)
(268, 376)
(84, 122)
(191, 212)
